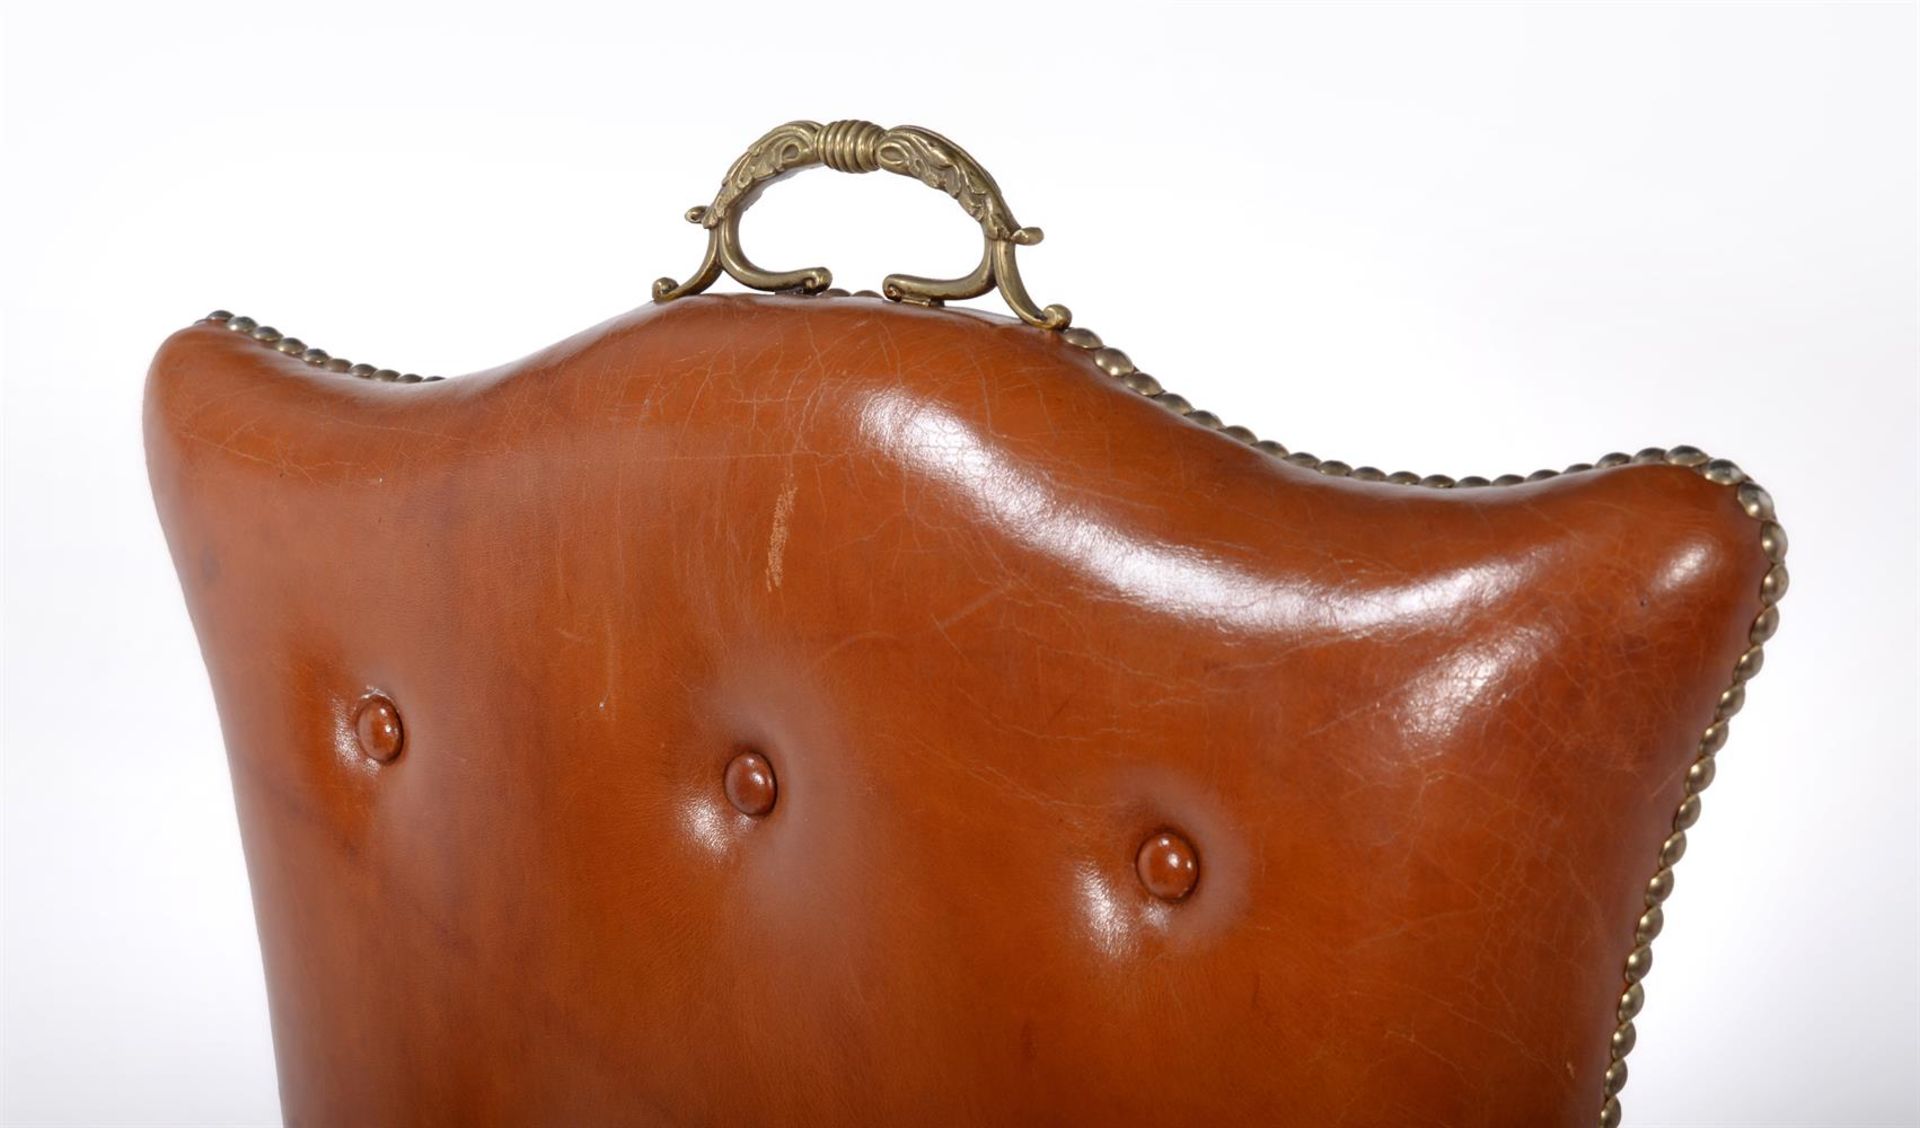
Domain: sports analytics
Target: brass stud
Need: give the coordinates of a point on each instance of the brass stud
(1631, 1000)
(1624, 1036)
(338, 364)
(1730, 702)
(1688, 813)
(1334, 468)
(1542, 475)
(1616, 1078)
(1639, 963)
(1714, 738)
(1508, 480)
(1756, 501)
(1764, 625)
(1649, 926)
(1304, 458)
(1773, 542)
(1673, 849)
(1239, 434)
(1700, 775)
(1684, 455)
(1142, 383)
(1660, 887)
(1610, 1113)
(1173, 402)
(1722, 472)
(220, 315)
(1750, 663)
(1773, 585)
(410, 378)
(1368, 474)
(241, 324)
(1404, 478)
(1204, 418)
(1471, 482)
(292, 346)
(1650, 454)
(1080, 338)
(267, 333)
(315, 357)
(1578, 468)
(1611, 459)
(1437, 482)
(364, 371)
(1112, 361)
(1268, 446)
(386, 375)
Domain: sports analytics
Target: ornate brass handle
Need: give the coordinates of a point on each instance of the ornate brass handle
(861, 146)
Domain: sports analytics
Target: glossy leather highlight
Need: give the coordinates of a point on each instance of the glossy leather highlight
(997, 621)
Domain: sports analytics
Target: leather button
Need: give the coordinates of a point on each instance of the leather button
(750, 785)
(377, 724)
(1168, 866)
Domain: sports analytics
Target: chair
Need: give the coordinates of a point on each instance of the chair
(792, 709)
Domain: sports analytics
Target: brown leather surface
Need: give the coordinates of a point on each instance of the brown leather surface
(992, 622)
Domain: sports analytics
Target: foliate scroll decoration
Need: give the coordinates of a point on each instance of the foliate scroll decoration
(861, 146)
(939, 163)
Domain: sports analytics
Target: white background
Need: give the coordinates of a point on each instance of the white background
(1461, 240)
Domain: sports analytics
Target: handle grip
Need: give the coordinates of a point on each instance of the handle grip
(861, 146)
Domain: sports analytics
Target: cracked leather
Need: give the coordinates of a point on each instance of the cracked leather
(993, 621)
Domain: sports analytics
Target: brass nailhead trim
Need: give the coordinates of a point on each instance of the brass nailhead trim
(1754, 501)
(319, 358)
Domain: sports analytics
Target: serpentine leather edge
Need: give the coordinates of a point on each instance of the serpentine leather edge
(1753, 499)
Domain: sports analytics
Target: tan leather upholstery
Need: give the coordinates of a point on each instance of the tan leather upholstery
(991, 624)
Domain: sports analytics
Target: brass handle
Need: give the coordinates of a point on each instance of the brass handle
(861, 146)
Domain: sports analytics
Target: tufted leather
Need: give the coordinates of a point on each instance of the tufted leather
(993, 625)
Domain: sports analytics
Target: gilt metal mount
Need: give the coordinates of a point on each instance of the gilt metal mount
(861, 146)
